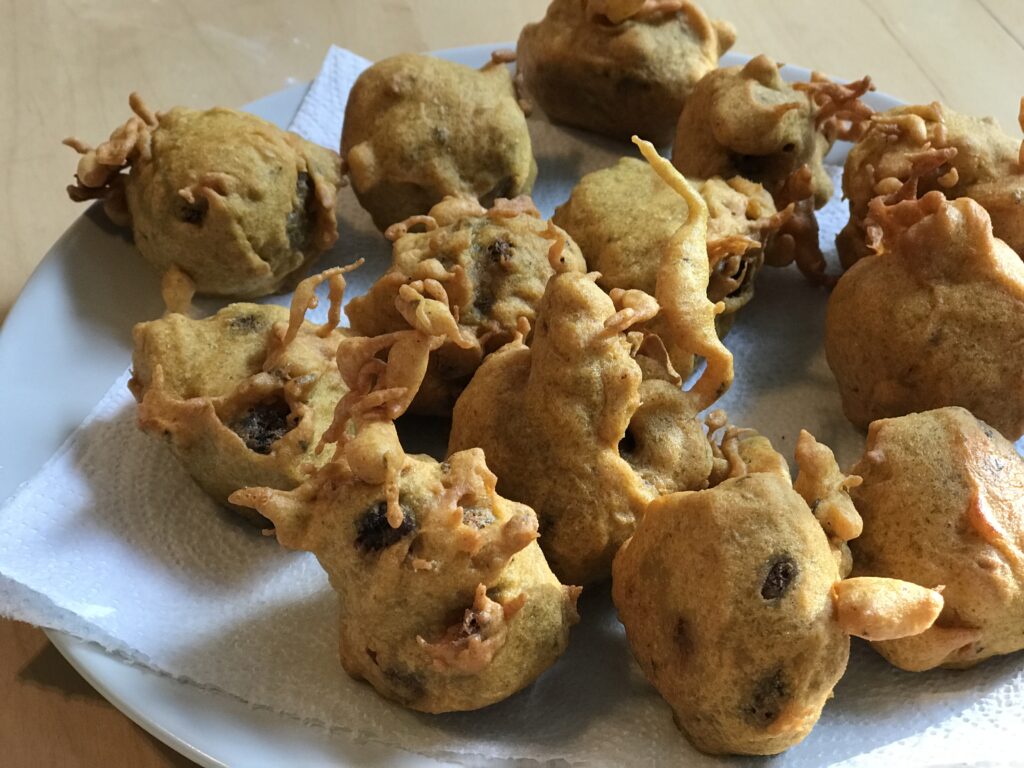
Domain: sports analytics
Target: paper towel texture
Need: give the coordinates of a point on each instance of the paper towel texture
(114, 543)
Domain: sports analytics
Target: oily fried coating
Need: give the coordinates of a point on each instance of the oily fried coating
(734, 601)
(445, 600)
(911, 150)
(582, 425)
(623, 216)
(493, 265)
(242, 397)
(418, 129)
(935, 318)
(943, 503)
(687, 321)
(233, 202)
(748, 121)
(619, 68)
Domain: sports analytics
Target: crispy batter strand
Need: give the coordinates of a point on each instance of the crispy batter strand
(682, 288)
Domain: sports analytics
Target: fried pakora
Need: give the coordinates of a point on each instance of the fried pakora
(623, 216)
(735, 600)
(233, 202)
(587, 424)
(943, 503)
(445, 600)
(242, 397)
(619, 68)
(418, 129)
(910, 150)
(748, 121)
(934, 318)
(493, 265)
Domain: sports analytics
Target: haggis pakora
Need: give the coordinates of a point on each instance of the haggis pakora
(445, 600)
(619, 68)
(934, 318)
(231, 201)
(418, 129)
(244, 396)
(748, 121)
(943, 503)
(908, 151)
(493, 265)
(623, 216)
(587, 424)
(735, 602)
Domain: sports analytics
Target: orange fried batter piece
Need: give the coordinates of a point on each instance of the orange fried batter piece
(748, 121)
(934, 318)
(231, 201)
(619, 68)
(446, 602)
(493, 265)
(418, 129)
(623, 216)
(911, 150)
(244, 396)
(736, 603)
(943, 503)
(587, 424)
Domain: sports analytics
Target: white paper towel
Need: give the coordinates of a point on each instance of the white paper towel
(114, 543)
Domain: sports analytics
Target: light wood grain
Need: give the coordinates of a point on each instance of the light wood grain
(67, 68)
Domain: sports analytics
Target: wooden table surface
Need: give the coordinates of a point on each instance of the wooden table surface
(67, 68)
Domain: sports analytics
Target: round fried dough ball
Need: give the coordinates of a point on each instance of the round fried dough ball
(943, 503)
(623, 216)
(747, 121)
(572, 428)
(238, 205)
(494, 267)
(237, 404)
(447, 606)
(934, 319)
(933, 148)
(739, 635)
(734, 602)
(418, 129)
(630, 76)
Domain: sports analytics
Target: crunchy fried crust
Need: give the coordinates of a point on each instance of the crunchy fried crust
(572, 427)
(446, 602)
(935, 318)
(230, 200)
(418, 128)
(943, 504)
(734, 602)
(623, 216)
(619, 68)
(748, 121)
(242, 397)
(911, 150)
(493, 265)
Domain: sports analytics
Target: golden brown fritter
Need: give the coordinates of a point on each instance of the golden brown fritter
(493, 265)
(943, 504)
(242, 397)
(623, 216)
(748, 121)
(445, 600)
(619, 68)
(418, 129)
(935, 318)
(238, 205)
(910, 150)
(735, 603)
(582, 425)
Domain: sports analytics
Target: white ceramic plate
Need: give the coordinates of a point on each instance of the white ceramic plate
(65, 341)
